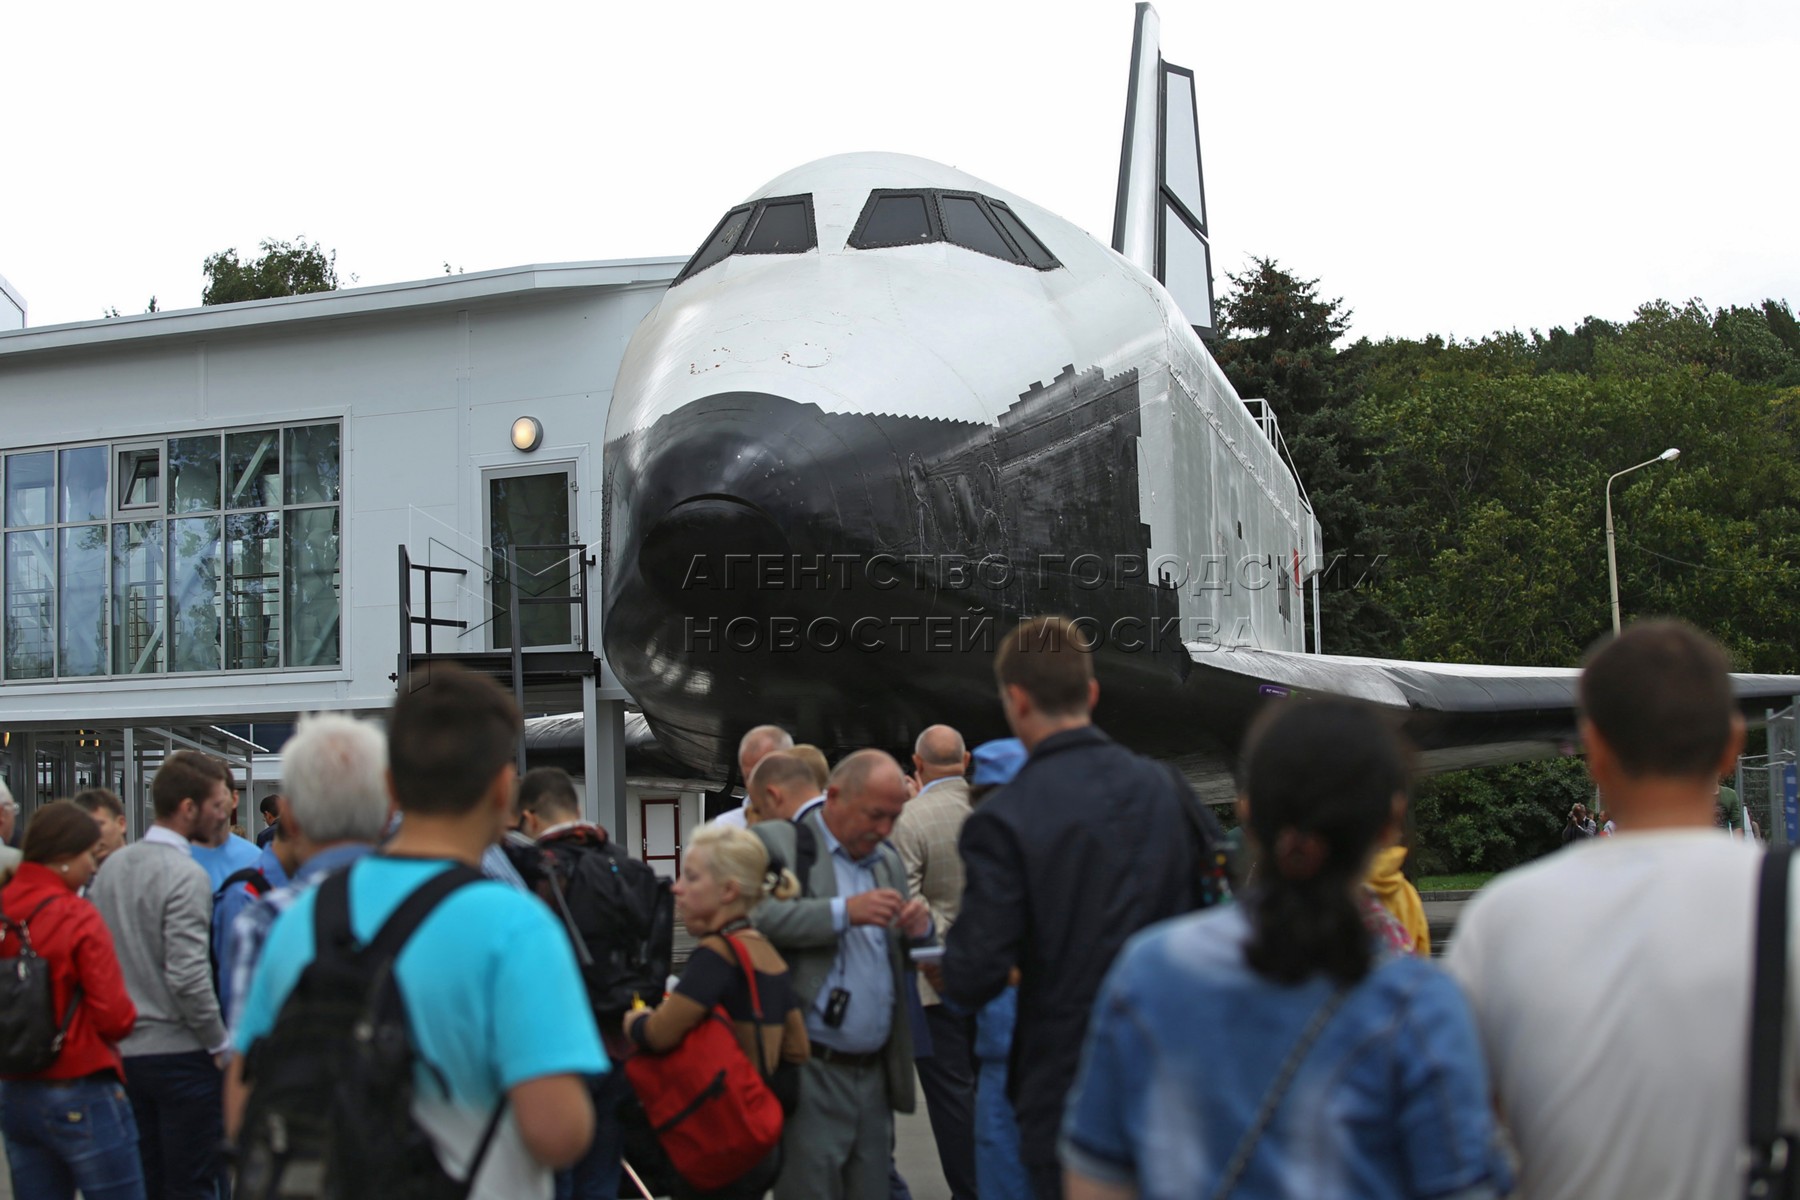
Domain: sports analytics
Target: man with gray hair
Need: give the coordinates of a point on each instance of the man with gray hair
(334, 809)
(845, 942)
(753, 747)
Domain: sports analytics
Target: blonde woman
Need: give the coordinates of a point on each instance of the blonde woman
(725, 875)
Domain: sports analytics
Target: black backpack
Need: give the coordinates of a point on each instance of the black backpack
(30, 1035)
(330, 1110)
(621, 914)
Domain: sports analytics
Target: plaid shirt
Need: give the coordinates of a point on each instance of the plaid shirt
(250, 932)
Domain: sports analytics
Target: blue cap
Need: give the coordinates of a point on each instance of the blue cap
(998, 761)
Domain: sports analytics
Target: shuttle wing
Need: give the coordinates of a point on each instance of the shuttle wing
(1459, 715)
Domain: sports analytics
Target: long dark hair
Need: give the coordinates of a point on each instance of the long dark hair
(1320, 778)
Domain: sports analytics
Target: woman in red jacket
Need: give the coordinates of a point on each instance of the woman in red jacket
(70, 1126)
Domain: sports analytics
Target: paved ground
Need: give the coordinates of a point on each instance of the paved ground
(917, 1156)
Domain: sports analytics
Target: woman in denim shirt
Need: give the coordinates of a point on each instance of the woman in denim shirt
(1272, 1049)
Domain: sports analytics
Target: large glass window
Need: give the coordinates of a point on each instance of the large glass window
(194, 474)
(199, 552)
(30, 602)
(81, 593)
(311, 452)
(28, 484)
(252, 469)
(312, 587)
(84, 484)
(194, 594)
(252, 591)
(137, 597)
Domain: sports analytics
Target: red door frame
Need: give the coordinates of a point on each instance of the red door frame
(644, 806)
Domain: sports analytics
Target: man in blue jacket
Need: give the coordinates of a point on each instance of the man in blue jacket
(1087, 845)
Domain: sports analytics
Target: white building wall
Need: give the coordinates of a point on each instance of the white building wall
(427, 394)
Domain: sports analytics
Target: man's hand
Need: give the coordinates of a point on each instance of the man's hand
(879, 906)
(915, 918)
(933, 972)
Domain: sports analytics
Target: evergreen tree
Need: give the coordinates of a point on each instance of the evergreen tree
(1277, 342)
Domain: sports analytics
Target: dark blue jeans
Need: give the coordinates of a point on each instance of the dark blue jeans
(64, 1135)
(179, 1103)
(596, 1176)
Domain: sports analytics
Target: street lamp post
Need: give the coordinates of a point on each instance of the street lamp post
(1612, 556)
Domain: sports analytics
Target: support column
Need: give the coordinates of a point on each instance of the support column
(133, 793)
(1318, 626)
(603, 753)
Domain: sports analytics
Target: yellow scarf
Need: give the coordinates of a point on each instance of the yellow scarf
(1400, 897)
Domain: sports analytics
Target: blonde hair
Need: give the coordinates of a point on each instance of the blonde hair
(740, 855)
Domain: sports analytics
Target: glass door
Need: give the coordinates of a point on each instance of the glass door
(527, 512)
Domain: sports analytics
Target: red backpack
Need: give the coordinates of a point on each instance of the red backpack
(714, 1115)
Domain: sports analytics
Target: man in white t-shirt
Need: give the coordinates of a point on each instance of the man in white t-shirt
(753, 747)
(1611, 980)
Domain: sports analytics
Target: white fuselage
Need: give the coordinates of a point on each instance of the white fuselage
(941, 331)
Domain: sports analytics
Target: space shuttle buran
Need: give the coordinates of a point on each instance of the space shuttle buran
(888, 410)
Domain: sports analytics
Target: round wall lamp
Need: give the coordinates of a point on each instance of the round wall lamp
(527, 434)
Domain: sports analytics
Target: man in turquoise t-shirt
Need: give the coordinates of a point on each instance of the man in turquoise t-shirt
(507, 1013)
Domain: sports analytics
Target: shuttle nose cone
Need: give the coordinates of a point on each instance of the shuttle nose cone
(683, 553)
(698, 499)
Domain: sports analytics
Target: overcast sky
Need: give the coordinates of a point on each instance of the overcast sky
(1443, 167)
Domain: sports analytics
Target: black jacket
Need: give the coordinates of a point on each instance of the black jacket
(1087, 845)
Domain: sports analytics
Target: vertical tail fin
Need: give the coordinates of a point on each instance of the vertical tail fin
(1159, 221)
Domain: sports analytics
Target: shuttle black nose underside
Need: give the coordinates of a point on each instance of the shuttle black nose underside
(766, 560)
(696, 541)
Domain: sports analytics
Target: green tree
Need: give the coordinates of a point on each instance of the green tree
(285, 269)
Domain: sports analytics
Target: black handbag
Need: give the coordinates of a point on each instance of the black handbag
(30, 1035)
(1772, 1173)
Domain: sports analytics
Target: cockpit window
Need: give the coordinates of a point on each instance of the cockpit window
(911, 218)
(718, 245)
(895, 219)
(782, 227)
(967, 224)
(778, 225)
(1023, 238)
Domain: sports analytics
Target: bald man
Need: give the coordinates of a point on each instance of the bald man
(779, 787)
(925, 835)
(845, 943)
(753, 747)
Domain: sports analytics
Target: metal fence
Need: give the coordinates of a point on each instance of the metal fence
(1765, 782)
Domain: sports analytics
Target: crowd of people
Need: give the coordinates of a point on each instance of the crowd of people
(435, 977)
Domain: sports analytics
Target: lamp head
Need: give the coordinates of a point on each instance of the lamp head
(1669, 455)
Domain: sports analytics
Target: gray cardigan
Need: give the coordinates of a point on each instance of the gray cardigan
(157, 901)
(802, 930)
